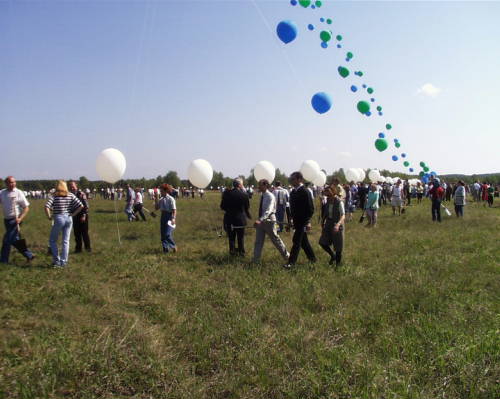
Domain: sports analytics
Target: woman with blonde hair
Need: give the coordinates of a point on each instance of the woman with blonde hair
(61, 208)
(332, 222)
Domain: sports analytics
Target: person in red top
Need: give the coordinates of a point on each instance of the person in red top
(484, 192)
(436, 193)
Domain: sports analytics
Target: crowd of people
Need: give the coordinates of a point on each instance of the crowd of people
(280, 208)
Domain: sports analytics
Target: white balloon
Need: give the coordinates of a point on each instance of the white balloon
(374, 175)
(351, 174)
(200, 173)
(264, 170)
(382, 179)
(361, 174)
(320, 179)
(309, 169)
(110, 165)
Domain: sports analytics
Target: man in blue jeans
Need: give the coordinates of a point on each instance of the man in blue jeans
(15, 208)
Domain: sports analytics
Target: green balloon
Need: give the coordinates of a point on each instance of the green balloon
(406, 163)
(305, 3)
(388, 126)
(329, 21)
(343, 71)
(325, 36)
(397, 145)
(379, 108)
(422, 164)
(369, 90)
(349, 55)
(381, 144)
(363, 107)
(339, 38)
(421, 174)
(426, 169)
(318, 4)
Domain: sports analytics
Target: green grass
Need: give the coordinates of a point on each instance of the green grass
(413, 313)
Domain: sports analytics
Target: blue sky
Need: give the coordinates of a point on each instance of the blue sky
(166, 82)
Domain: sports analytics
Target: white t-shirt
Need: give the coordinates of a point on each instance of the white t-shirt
(138, 198)
(396, 191)
(167, 203)
(13, 203)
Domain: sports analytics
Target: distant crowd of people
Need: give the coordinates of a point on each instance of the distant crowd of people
(280, 208)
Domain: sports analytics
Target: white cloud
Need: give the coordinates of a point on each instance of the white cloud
(429, 89)
(345, 154)
(323, 149)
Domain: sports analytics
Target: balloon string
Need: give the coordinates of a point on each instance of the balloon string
(117, 227)
(283, 51)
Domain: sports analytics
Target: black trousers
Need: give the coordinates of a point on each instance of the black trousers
(436, 209)
(233, 235)
(81, 230)
(300, 240)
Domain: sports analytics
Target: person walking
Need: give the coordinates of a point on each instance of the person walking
(436, 194)
(129, 203)
(491, 194)
(138, 205)
(166, 204)
(61, 208)
(459, 198)
(266, 223)
(332, 222)
(420, 192)
(302, 209)
(372, 206)
(397, 198)
(236, 205)
(81, 221)
(15, 208)
(282, 203)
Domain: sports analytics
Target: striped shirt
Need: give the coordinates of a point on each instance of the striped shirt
(63, 205)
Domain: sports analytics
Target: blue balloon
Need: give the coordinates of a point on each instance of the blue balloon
(411, 170)
(339, 46)
(293, 2)
(425, 179)
(381, 135)
(372, 100)
(322, 19)
(287, 31)
(433, 173)
(310, 27)
(396, 140)
(368, 113)
(380, 113)
(403, 155)
(347, 59)
(313, 6)
(321, 102)
(324, 44)
(354, 89)
(394, 157)
(364, 86)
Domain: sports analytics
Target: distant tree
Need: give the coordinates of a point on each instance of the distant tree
(83, 182)
(251, 180)
(281, 177)
(172, 178)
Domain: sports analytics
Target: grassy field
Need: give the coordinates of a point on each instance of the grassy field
(413, 313)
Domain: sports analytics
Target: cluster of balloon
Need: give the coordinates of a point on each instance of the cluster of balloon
(264, 170)
(111, 165)
(200, 173)
(321, 102)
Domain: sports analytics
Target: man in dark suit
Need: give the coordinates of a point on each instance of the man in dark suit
(236, 204)
(302, 209)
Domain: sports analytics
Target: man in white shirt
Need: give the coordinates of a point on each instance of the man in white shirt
(266, 223)
(15, 208)
(282, 203)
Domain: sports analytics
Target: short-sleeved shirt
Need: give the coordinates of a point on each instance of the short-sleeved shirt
(63, 205)
(13, 203)
(167, 203)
